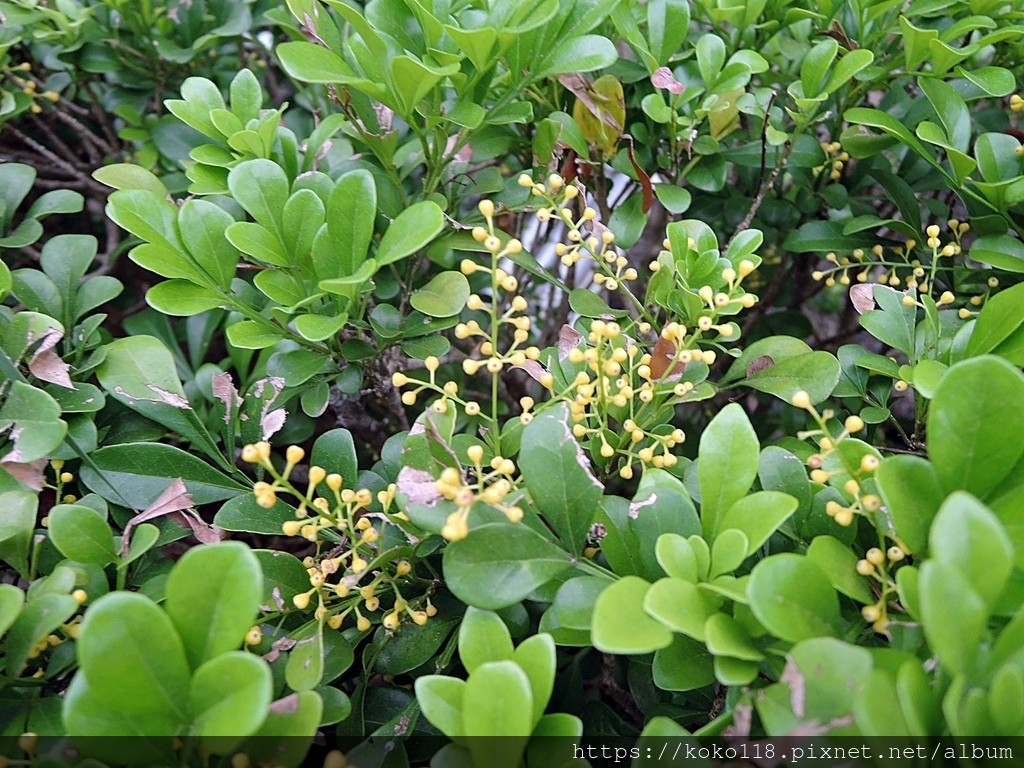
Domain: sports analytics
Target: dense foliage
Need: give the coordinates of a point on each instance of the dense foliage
(555, 367)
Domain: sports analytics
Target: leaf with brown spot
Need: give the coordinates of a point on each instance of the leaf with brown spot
(759, 364)
(174, 499)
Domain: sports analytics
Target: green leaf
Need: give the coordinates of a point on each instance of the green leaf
(953, 615)
(758, 516)
(849, 65)
(497, 702)
(147, 215)
(579, 54)
(213, 596)
(203, 225)
(228, 698)
(41, 616)
(995, 81)
(686, 665)
(1002, 251)
(258, 242)
(893, 323)
(33, 418)
(12, 600)
(951, 109)
(815, 66)
(19, 525)
(499, 564)
(912, 493)
(588, 303)
(81, 534)
(536, 657)
(727, 465)
(411, 230)
(840, 563)
(621, 625)
(676, 557)
(180, 298)
(132, 658)
(140, 472)
(129, 176)
(675, 199)
(679, 605)
(335, 451)
(261, 188)
(305, 668)
(817, 373)
(999, 329)
(140, 372)
(974, 441)
(444, 296)
(286, 734)
(351, 210)
(969, 537)
(440, 698)
(558, 477)
(793, 598)
(483, 637)
(319, 327)
(242, 513)
(727, 637)
(250, 334)
(661, 505)
(728, 551)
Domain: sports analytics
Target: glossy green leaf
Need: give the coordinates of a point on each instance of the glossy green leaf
(758, 516)
(912, 493)
(483, 637)
(228, 697)
(840, 563)
(213, 596)
(180, 298)
(41, 616)
(17, 528)
(33, 420)
(727, 465)
(558, 476)
(498, 565)
(793, 598)
(999, 329)
(137, 473)
(679, 605)
(974, 441)
(953, 614)
(621, 625)
(969, 537)
(81, 534)
(441, 699)
(444, 296)
(411, 230)
(132, 658)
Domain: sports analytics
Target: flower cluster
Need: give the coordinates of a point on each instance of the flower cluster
(492, 485)
(858, 467)
(835, 160)
(899, 266)
(353, 573)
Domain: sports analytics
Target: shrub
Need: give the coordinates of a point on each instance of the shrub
(560, 368)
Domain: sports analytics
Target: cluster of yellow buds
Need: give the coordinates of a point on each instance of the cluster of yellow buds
(835, 160)
(336, 577)
(29, 86)
(613, 269)
(900, 268)
(878, 565)
(979, 299)
(491, 485)
(862, 501)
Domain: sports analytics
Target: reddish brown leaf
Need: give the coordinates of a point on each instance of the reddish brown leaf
(47, 365)
(663, 78)
(661, 358)
(642, 176)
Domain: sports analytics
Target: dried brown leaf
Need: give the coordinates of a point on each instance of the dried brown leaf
(47, 365)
